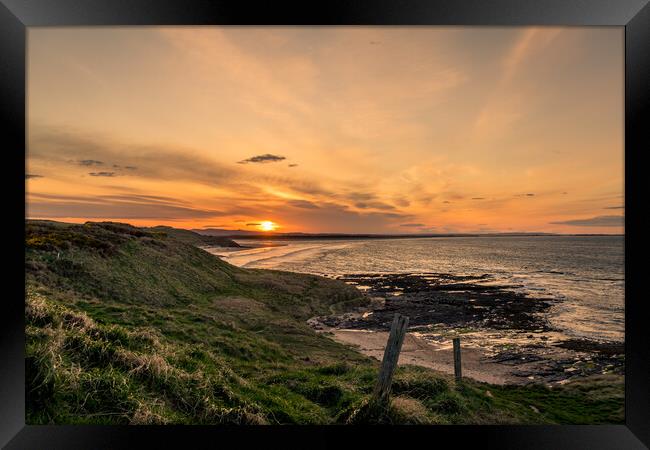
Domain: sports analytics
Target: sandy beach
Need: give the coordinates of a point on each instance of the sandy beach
(419, 352)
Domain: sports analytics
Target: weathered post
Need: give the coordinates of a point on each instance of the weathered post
(391, 355)
(457, 366)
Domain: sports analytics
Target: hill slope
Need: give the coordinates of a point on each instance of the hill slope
(190, 237)
(130, 325)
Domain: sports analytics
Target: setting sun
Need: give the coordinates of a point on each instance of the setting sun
(267, 225)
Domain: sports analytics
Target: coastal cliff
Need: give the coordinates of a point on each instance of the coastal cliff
(129, 325)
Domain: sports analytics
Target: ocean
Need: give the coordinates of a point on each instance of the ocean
(586, 274)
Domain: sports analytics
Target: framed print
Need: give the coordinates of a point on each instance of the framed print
(353, 223)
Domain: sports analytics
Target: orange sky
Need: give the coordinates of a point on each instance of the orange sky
(328, 129)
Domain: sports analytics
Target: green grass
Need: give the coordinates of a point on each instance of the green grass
(190, 237)
(133, 326)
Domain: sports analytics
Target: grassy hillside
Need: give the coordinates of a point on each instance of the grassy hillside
(190, 237)
(129, 325)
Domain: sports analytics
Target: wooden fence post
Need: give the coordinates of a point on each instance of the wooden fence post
(457, 366)
(391, 355)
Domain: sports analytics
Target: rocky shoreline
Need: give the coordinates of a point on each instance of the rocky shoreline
(506, 326)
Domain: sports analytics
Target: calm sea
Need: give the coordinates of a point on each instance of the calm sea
(585, 272)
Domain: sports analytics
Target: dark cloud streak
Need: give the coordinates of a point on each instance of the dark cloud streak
(303, 204)
(374, 205)
(412, 225)
(90, 162)
(598, 221)
(265, 158)
(102, 174)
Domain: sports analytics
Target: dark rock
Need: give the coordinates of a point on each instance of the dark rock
(456, 301)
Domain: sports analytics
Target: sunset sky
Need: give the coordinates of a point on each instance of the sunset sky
(328, 129)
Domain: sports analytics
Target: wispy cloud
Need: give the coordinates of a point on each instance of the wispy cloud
(507, 105)
(53, 145)
(160, 199)
(598, 221)
(303, 204)
(112, 207)
(530, 40)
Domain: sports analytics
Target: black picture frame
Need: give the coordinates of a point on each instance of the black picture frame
(634, 15)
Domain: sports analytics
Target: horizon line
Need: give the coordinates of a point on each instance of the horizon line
(256, 233)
